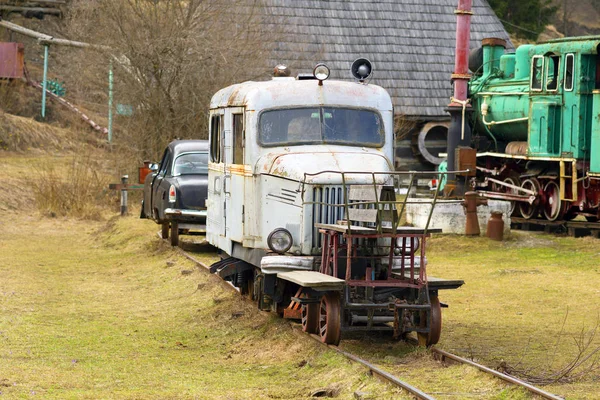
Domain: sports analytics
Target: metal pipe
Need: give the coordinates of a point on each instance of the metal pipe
(500, 375)
(375, 319)
(45, 82)
(110, 102)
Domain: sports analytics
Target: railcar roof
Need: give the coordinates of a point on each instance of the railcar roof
(289, 92)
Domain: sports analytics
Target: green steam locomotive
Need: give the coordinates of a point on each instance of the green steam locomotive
(536, 125)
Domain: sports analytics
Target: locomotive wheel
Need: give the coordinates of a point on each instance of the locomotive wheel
(330, 319)
(515, 181)
(554, 207)
(174, 234)
(164, 230)
(530, 210)
(310, 317)
(435, 327)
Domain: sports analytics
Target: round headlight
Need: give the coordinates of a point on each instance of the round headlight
(280, 240)
(409, 248)
(321, 72)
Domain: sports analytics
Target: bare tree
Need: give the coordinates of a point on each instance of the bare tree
(169, 57)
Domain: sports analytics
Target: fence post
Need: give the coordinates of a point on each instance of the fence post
(124, 180)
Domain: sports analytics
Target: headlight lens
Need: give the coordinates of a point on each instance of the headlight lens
(409, 248)
(321, 72)
(280, 240)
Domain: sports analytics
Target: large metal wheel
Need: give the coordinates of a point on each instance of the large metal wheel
(174, 234)
(330, 318)
(435, 325)
(164, 230)
(554, 207)
(310, 317)
(530, 210)
(515, 181)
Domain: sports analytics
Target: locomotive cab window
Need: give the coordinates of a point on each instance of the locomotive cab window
(537, 72)
(215, 138)
(552, 64)
(569, 68)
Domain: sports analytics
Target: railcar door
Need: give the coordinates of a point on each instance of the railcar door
(216, 223)
(233, 190)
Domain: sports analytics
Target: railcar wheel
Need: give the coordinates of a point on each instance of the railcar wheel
(330, 319)
(174, 234)
(554, 207)
(310, 317)
(164, 230)
(435, 327)
(530, 210)
(515, 181)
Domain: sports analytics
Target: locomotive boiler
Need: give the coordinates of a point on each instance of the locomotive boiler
(536, 125)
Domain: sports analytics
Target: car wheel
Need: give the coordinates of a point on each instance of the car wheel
(164, 231)
(174, 234)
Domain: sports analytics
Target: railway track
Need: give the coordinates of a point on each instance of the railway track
(571, 228)
(394, 380)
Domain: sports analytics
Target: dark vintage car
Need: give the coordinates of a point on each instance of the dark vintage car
(176, 190)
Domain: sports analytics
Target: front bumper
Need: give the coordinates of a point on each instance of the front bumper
(277, 264)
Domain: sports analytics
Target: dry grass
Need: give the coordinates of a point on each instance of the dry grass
(79, 190)
(92, 310)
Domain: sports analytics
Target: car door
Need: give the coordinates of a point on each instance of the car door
(159, 193)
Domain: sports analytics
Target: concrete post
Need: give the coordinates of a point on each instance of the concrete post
(124, 180)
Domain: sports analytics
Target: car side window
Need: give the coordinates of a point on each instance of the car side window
(165, 163)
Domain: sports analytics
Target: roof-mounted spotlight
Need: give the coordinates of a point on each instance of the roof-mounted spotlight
(321, 72)
(361, 69)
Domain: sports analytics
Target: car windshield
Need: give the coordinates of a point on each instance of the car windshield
(298, 126)
(191, 164)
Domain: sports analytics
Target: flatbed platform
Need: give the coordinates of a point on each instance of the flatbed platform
(313, 279)
(363, 230)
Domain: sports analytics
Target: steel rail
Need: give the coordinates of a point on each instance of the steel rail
(378, 371)
(497, 374)
(391, 378)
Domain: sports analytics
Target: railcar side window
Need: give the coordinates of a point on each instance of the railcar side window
(552, 72)
(335, 125)
(215, 138)
(537, 72)
(238, 138)
(569, 64)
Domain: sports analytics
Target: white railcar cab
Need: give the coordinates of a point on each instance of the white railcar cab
(286, 157)
(264, 136)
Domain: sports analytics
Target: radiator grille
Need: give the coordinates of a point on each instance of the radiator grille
(327, 213)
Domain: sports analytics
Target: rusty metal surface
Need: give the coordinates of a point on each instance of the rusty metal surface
(11, 60)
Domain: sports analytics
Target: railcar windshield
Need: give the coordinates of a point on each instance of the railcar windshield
(317, 125)
(191, 164)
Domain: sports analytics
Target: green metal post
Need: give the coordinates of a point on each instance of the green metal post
(44, 82)
(110, 103)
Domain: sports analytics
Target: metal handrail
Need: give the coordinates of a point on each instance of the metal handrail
(377, 203)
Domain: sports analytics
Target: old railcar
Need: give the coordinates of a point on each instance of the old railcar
(302, 205)
(536, 124)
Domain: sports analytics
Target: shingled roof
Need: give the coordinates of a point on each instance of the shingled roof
(410, 43)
